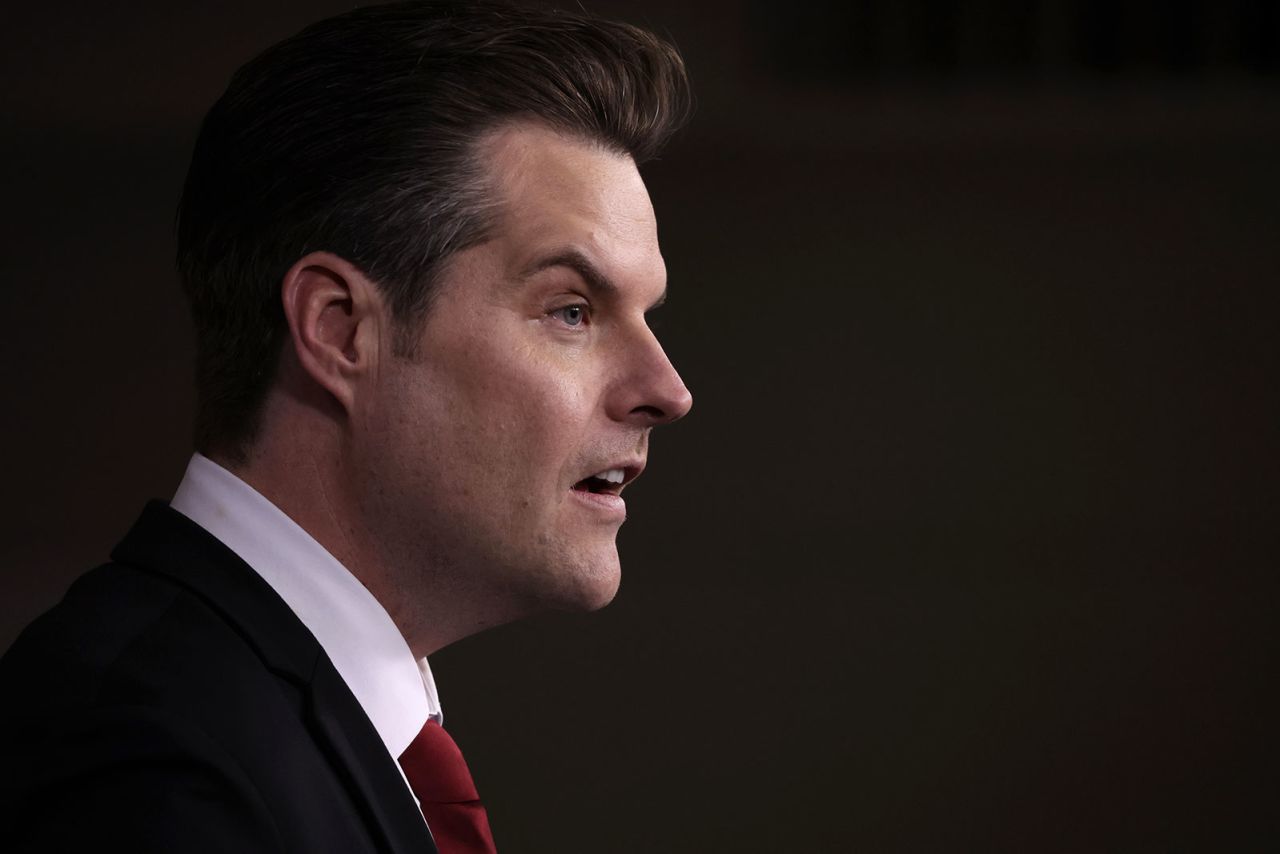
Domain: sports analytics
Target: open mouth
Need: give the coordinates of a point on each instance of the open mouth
(608, 482)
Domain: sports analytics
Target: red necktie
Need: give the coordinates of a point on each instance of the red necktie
(439, 777)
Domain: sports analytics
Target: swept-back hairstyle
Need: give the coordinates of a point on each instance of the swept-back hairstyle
(359, 136)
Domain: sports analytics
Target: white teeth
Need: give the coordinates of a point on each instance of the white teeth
(612, 476)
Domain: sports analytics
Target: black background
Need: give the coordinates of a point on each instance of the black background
(970, 542)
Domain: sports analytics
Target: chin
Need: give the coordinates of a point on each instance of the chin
(586, 586)
(601, 594)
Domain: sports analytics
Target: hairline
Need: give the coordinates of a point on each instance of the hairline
(490, 204)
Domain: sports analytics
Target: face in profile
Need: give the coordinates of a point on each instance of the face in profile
(498, 453)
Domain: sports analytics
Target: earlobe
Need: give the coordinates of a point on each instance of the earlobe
(332, 312)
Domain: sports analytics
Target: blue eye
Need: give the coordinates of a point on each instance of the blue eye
(572, 315)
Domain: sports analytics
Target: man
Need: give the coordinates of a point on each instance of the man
(419, 258)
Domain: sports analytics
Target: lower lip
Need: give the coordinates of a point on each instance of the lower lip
(605, 503)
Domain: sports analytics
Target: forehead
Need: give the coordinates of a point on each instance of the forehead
(557, 192)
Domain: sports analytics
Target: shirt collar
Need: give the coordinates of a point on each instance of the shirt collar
(355, 631)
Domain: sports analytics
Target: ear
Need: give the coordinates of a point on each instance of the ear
(335, 322)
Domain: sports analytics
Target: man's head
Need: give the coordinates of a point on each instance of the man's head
(420, 257)
(361, 136)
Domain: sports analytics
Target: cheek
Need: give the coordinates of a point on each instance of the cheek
(517, 414)
(540, 413)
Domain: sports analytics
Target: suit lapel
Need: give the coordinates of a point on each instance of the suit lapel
(165, 542)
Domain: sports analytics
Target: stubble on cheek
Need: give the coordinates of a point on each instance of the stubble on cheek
(500, 428)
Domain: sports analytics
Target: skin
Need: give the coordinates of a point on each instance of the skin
(445, 481)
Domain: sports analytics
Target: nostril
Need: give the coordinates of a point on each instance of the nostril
(667, 413)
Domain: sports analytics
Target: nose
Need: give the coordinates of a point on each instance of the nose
(649, 392)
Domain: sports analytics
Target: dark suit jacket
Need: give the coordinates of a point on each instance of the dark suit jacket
(173, 702)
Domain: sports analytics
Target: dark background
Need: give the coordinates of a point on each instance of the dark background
(970, 542)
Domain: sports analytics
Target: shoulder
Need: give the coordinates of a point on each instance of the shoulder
(110, 697)
(171, 695)
(122, 635)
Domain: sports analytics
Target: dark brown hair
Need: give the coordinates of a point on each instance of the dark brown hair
(358, 136)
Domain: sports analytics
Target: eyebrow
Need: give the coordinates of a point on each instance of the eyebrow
(579, 263)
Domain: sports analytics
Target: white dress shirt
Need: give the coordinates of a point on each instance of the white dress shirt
(355, 631)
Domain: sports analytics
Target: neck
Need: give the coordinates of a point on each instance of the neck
(299, 462)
